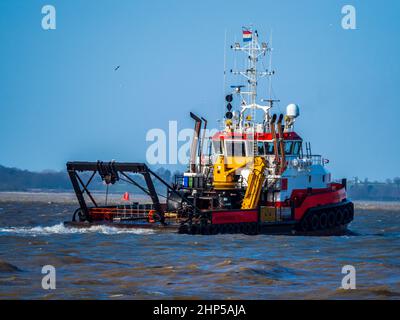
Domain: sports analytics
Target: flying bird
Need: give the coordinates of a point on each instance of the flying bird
(116, 68)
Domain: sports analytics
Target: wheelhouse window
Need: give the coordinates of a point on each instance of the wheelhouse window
(235, 148)
(217, 146)
(296, 148)
(260, 148)
(249, 147)
(269, 148)
(291, 147)
(288, 147)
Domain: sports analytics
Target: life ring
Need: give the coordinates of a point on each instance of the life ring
(81, 216)
(151, 216)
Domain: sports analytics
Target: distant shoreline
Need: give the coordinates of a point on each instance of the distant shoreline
(62, 197)
(69, 198)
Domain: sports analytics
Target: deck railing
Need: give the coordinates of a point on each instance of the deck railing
(125, 211)
(306, 161)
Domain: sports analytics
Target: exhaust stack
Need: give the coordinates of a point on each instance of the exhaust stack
(195, 142)
(274, 139)
(281, 144)
(202, 142)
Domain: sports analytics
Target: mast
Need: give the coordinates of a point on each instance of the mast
(224, 82)
(254, 50)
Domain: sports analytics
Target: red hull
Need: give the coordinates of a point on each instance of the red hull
(235, 216)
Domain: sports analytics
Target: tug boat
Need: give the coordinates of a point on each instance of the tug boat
(252, 176)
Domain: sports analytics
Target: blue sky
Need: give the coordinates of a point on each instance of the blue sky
(60, 98)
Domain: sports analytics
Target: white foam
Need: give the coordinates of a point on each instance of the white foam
(61, 229)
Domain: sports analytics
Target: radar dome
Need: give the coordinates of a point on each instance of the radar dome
(292, 110)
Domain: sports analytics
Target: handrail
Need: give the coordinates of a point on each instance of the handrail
(305, 161)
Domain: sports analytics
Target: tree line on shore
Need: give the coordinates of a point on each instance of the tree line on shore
(13, 179)
(389, 190)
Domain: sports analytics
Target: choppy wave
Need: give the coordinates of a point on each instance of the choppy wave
(61, 229)
(105, 262)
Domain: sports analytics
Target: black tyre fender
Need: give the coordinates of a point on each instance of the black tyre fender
(346, 215)
(351, 209)
(236, 227)
(206, 229)
(253, 228)
(323, 220)
(339, 217)
(304, 224)
(223, 228)
(183, 229)
(214, 229)
(193, 229)
(331, 219)
(314, 222)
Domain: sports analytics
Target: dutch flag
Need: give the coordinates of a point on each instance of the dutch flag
(247, 35)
